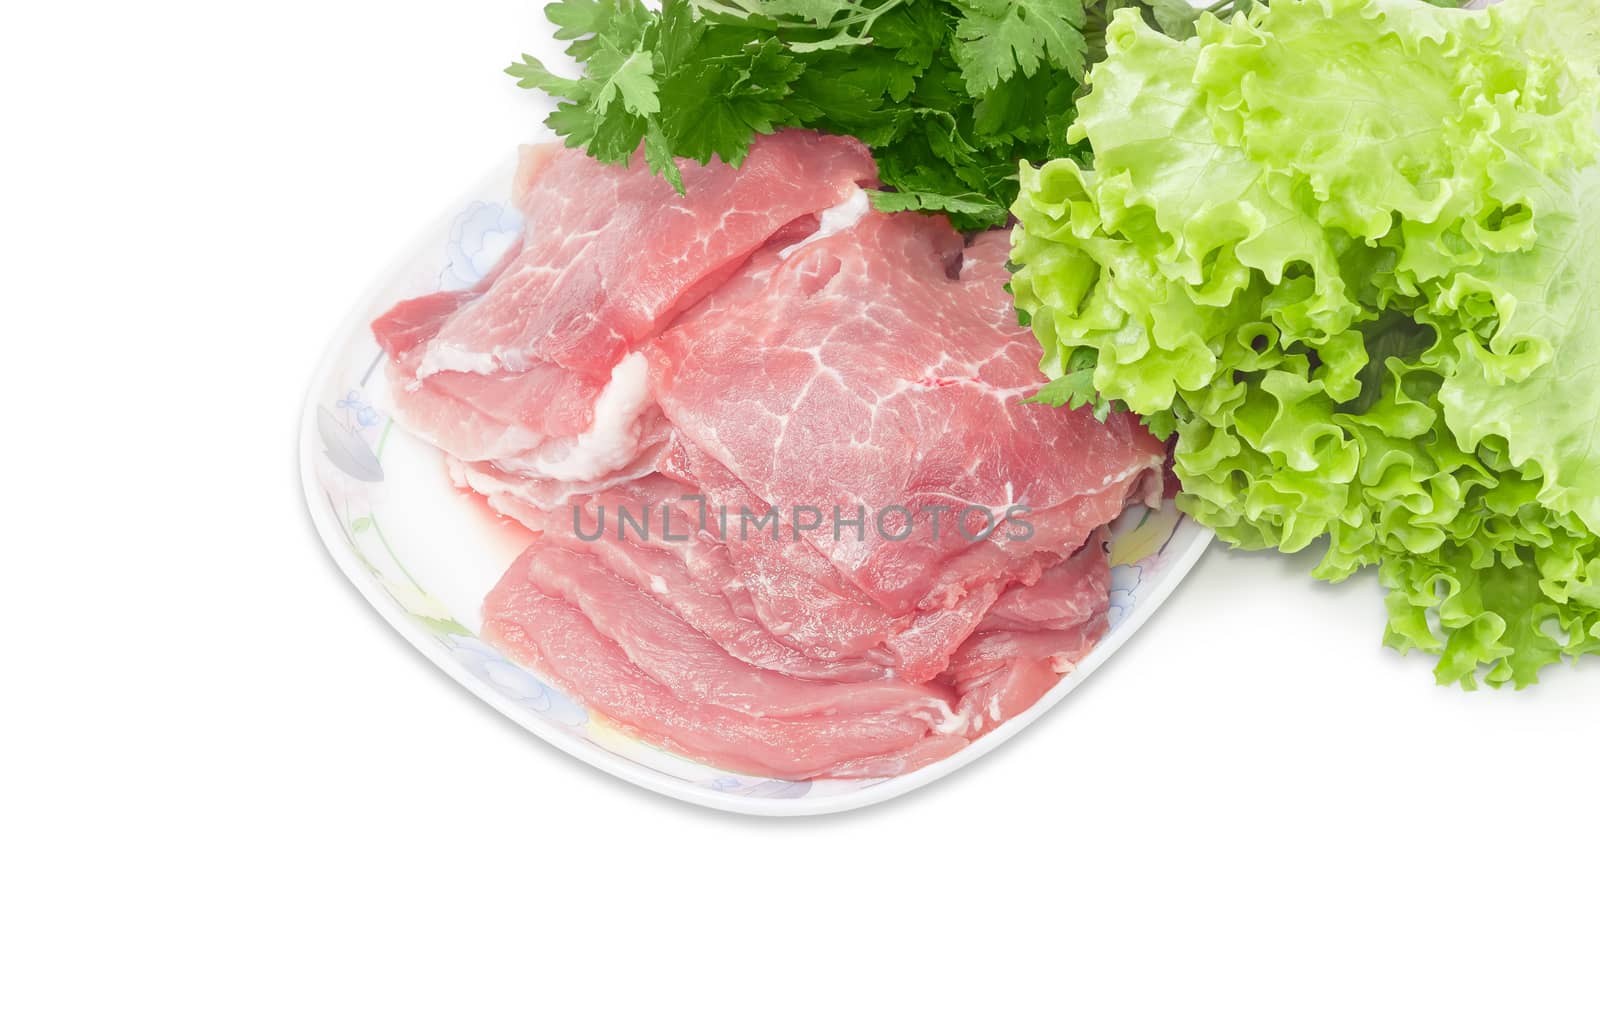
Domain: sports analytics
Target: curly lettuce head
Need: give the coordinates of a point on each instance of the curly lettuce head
(1349, 252)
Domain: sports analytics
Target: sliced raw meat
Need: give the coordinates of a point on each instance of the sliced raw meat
(530, 369)
(794, 590)
(799, 595)
(554, 638)
(488, 417)
(1031, 638)
(612, 251)
(694, 575)
(752, 427)
(1065, 597)
(669, 545)
(586, 615)
(539, 504)
(855, 372)
(672, 651)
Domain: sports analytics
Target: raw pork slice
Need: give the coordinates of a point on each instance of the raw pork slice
(798, 594)
(1031, 638)
(657, 640)
(767, 346)
(690, 570)
(531, 370)
(612, 253)
(887, 341)
(882, 370)
(608, 622)
(556, 638)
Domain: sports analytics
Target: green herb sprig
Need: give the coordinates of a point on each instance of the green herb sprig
(951, 95)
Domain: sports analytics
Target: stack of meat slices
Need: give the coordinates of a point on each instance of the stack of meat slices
(794, 517)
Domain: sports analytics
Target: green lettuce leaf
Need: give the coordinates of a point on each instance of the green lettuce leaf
(1364, 299)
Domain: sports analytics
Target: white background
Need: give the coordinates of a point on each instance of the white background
(232, 801)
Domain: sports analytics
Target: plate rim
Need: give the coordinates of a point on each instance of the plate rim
(333, 542)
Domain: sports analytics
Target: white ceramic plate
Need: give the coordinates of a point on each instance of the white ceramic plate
(425, 554)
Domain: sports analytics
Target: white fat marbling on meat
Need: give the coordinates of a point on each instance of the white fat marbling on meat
(840, 218)
(443, 356)
(951, 722)
(610, 442)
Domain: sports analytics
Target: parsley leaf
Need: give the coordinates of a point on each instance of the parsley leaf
(531, 74)
(658, 154)
(968, 204)
(950, 95)
(997, 39)
(1075, 388)
(591, 23)
(720, 87)
(623, 76)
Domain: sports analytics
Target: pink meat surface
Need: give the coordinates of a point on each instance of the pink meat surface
(1031, 638)
(657, 639)
(556, 638)
(774, 387)
(645, 370)
(880, 368)
(1066, 596)
(801, 597)
(608, 624)
(515, 371)
(614, 252)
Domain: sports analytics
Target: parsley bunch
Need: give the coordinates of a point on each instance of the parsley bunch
(951, 95)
